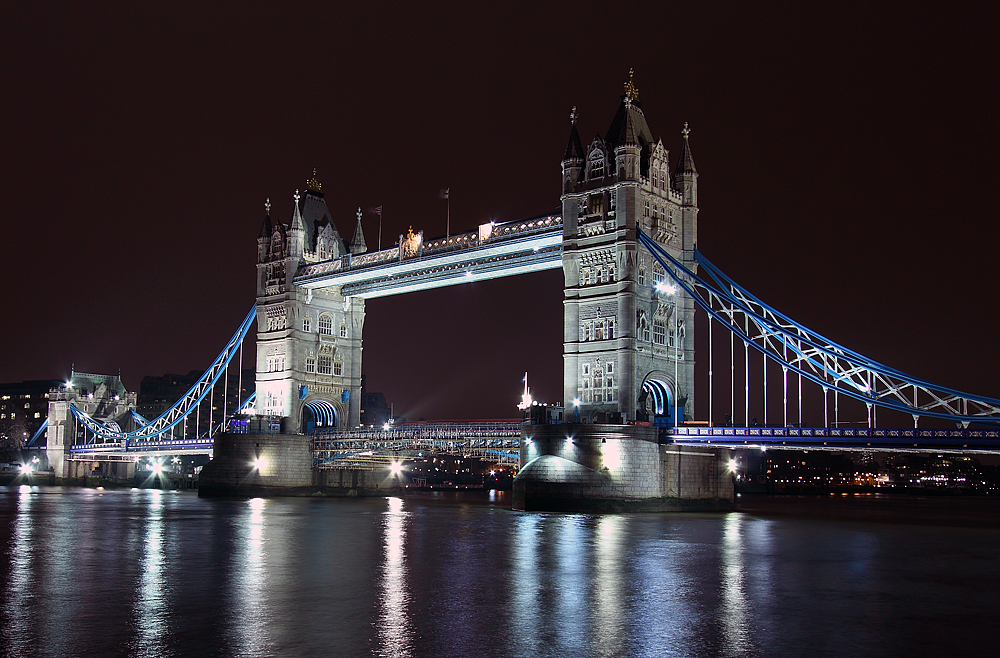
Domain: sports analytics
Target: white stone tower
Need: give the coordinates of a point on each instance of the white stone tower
(628, 345)
(308, 343)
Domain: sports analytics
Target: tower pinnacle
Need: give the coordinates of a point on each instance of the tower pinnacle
(313, 184)
(358, 245)
(631, 93)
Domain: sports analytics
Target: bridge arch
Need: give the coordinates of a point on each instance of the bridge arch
(657, 399)
(320, 413)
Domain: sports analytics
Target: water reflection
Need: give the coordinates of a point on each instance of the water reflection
(19, 586)
(525, 582)
(734, 613)
(609, 597)
(568, 578)
(249, 616)
(395, 632)
(151, 605)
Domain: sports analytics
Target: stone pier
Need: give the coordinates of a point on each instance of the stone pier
(282, 465)
(617, 468)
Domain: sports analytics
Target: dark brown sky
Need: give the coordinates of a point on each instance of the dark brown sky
(848, 159)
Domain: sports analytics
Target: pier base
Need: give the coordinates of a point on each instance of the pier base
(258, 465)
(617, 468)
(268, 465)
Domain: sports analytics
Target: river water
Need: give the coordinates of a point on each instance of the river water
(153, 573)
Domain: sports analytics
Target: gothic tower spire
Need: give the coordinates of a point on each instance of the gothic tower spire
(572, 162)
(297, 232)
(264, 239)
(686, 176)
(358, 245)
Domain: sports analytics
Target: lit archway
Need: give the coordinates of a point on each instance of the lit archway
(318, 414)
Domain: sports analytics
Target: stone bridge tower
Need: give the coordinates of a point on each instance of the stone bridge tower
(308, 342)
(628, 345)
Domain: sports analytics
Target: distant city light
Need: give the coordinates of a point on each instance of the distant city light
(259, 463)
(396, 468)
(156, 467)
(26, 469)
(733, 465)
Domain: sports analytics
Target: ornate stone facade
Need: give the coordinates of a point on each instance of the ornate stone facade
(308, 342)
(628, 345)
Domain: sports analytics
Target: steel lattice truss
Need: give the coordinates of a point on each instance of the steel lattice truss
(180, 409)
(497, 442)
(816, 358)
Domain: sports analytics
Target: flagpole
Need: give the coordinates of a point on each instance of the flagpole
(448, 229)
(380, 228)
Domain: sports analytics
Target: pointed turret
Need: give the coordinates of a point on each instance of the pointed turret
(358, 245)
(296, 232)
(685, 175)
(572, 162)
(264, 239)
(574, 150)
(265, 230)
(685, 165)
(629, 137)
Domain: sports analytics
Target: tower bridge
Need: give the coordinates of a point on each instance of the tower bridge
(634, 285)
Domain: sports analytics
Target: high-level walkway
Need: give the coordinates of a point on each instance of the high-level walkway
(493, 251)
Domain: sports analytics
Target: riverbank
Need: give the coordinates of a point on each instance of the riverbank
(896, 508)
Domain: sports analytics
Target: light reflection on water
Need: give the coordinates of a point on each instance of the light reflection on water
(148, 573)
(609, 589)
(151, 608)
(249, 615)
(735, 613)
(394, 628)
(17, 590)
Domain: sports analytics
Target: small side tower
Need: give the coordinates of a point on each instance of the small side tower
(572, 163)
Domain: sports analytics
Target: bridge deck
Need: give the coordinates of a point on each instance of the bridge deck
(985, 441)
(495, 250)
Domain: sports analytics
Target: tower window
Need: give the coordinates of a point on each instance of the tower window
(325, 325)
(343, 331)
(338, 368)
(597, 204)
(596, 164)
(325, 365)
(659, 332)
(306, 324)
(310, 364)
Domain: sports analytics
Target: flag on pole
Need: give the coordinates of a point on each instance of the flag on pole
(376, 211)
(444, 192)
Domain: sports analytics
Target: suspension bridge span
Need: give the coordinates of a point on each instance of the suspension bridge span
(634, 287)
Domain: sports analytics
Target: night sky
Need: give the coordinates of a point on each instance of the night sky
(847, 159)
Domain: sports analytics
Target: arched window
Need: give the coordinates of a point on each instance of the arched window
(596, 163)
(659, 274)
(326, 325)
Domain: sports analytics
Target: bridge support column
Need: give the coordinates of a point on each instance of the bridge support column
(257, 465)
(617, 468)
